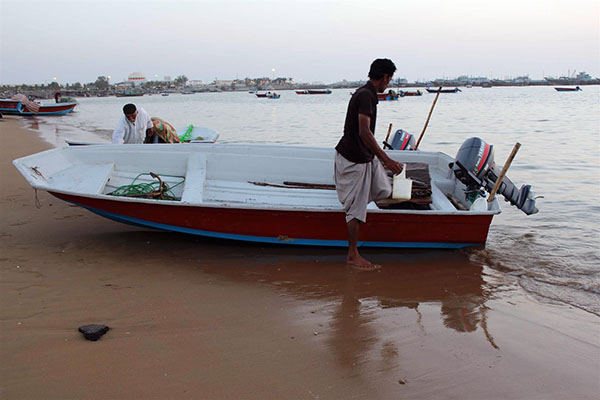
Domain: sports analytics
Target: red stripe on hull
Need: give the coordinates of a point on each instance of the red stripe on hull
(52, 108)
(6, 105)
(380, 227)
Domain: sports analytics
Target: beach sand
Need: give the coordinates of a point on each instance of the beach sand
(196, 318)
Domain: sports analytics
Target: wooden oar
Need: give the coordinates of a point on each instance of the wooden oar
(503, 172)
(429, 116)
(386, 144)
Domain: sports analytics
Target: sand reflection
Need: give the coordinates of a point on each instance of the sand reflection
(359, 310)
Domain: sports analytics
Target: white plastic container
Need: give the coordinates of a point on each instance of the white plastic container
(480, 204)
(402, 187)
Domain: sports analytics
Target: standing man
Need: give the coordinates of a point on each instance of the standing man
(359, 174)
(133, 127)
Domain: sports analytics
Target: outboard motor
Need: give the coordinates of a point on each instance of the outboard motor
(403, 141)
(475, 167)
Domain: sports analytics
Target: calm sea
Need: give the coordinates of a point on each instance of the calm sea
(554, 255)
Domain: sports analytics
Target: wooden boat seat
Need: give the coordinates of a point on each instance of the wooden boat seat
(195, 178)
(83, 178)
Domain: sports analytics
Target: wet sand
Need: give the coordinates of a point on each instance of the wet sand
(195, 318)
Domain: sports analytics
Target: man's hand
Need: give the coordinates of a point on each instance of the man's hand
(393, 166)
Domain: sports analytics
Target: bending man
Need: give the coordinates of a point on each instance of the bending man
(133, 127)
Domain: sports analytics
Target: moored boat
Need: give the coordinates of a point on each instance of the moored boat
(135, 92)
(404, 93)
(388, 96)
(254, 192)
(301, 91)
(187, 134)
(16, 107)
(268, 95)
(568, 89)
(319, 91)
(440, 90)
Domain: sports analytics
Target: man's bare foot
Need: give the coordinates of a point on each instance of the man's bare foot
(361, 264)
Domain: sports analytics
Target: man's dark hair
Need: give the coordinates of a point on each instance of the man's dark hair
(129, 109)
(381, 67)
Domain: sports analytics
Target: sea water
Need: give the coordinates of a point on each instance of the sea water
(554, 255)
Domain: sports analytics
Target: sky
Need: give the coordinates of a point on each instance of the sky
(308, 40)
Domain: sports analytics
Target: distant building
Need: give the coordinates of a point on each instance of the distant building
(195, 83)
(167, 78)
(221, 82)
(522, 79)
(584, 76)
(137, 78)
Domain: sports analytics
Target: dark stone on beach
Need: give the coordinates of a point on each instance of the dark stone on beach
(93, 332)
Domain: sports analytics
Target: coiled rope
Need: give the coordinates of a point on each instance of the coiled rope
(157, 190)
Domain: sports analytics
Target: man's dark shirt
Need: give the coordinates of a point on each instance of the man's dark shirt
(363, 101)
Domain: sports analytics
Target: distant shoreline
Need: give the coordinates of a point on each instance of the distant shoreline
(48, 93)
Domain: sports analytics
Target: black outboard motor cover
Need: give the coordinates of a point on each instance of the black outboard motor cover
(403, 140)
(475, 167)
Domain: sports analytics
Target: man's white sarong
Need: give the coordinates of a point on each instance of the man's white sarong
(357, 184)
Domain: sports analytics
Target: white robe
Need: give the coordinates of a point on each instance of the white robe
(128, 132)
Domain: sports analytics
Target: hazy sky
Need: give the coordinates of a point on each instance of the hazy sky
(320, 40)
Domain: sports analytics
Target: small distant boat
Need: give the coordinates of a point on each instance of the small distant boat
(568, 89)
(389, 96)
(455, 90)
(164, 94)
(129, 93)
(404, 93)
(301, 91)
(268, 95)
(16, 107)
(319, 91)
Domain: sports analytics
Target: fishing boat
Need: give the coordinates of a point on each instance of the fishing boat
(16, 107)
(135, 92)
(388, 96)
(268, 95)
(404, 93)
(268, 193)
(568, 89)
(440, 90)
(319, 91)
(195, 134)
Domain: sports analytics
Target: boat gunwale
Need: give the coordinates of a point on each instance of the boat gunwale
(19, 164)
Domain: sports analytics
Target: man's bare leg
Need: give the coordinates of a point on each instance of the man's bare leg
(354, 259)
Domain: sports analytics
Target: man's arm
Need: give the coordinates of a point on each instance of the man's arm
(118, 134)
(367, 137)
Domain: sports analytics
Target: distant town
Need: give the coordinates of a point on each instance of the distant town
(138, 85)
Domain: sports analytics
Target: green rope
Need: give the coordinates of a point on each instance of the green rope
(152, 190)
(187, 136)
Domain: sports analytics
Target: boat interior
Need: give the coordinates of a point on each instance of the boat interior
(224, 175)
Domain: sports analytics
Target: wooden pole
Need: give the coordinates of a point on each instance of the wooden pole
(503, 172)
(429, 116)
(385, 142)
(388, 134)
